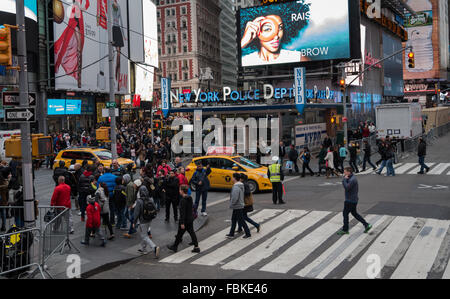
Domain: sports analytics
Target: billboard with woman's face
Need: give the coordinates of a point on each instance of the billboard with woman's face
(293, 32)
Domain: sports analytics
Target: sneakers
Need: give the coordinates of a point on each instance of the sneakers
(342, 232)
(282, 203)
(229, 236)
(72, 231)
(79, 214)
(172, 248)
(368, 227)
(157, 250)
(143, 251)
(204, 214)
(196, 250)
(246, 236)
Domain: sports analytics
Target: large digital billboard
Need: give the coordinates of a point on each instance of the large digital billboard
(73, 107)
(9, 6)
(56, 107)
(81, 44)
(293, 32)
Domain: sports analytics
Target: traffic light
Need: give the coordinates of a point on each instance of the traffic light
(41, 146)
(342, 84)
(5, 46)
(102, 134)
(411, 60)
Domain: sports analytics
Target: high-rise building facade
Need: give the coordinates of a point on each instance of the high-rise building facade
(228, 44)
(189, 44)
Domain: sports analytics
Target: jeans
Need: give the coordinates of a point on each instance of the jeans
(204, 195)
(353, 165)
(306, 166)
(121, 219)
(129, 214)
(390, 167)
(238, 217)
(383, 164)
(422, 164)
(249, 220)
(351, 208)
(188, 227)
(367, 160)
(105, 219)
(174, 203)
(143, 232)
(295, 165)
(83, 203)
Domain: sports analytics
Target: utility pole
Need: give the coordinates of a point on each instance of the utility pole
(112, 96)
(27, 162)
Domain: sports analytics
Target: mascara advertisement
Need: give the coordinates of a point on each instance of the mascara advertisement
(293, 32)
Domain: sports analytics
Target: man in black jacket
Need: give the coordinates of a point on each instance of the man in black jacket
(61, 171)
(186, 223)
(293, 156)
(367, 154)
(422, 152)
(172, 190)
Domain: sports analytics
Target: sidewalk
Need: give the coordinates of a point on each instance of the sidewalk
(96, 259)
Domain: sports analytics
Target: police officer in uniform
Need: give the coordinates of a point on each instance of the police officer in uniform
(276, 176)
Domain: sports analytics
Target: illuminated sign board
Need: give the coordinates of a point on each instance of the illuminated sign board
(294, 32)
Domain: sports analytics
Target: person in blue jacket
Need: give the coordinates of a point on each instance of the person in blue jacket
(110, 180)
(201, 182)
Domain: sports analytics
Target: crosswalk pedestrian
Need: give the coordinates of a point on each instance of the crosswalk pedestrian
(413, 169)
(305, 244)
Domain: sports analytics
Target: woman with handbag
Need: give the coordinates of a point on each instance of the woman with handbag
(248, 207)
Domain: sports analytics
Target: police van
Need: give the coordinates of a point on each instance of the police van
(5, 135)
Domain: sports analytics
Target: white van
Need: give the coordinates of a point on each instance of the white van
(5, 135)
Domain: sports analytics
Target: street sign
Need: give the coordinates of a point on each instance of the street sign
(111, 105)
(300, 83)
(20, 115)
(13, 99)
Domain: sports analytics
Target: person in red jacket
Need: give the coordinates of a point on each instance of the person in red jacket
(93, 221)
(182, 177)
(61, 198)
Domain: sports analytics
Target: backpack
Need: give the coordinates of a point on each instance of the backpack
(149, 210)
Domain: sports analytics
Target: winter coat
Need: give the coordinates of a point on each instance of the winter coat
(351, 189)
(172, 188)
(201, 176)
(330, 159)
(102, 200)
(182, 179)
(93, 215)
(322, 155)
(422, 149)
(120, 197)
(131, 194)
(367, 151)
(110, 180)
(237, 196)
(139, 207)
(186, 216)
(61, 196)
(293, 155)
(85, 182)
(166, 170)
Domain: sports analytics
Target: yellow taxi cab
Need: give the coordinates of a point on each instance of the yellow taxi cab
(223, 167)
(91, 155)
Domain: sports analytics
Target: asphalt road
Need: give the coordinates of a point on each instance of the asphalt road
(410, 214)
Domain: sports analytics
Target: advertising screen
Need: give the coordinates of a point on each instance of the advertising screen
(56, 107)
(81, 45)
(73, 107)
(9, 6)
(293, 32)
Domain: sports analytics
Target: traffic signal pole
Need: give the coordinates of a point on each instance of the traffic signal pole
(112, 96)
(345, 93)
(27, 162)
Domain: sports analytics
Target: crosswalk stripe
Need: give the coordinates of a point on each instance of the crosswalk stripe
(239, 244)
(384, 246)
(439, 169)
(299, 251)
(417, 169)
(217, 238)
(272, 244)
(420, 256)
(332, 257)
(405, 168)
(447, 272)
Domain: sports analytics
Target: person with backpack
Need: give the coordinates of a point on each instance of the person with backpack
(93, 221)
(186, 223)
(172, 195)
(248, 204)
(306, 158)
(144, 213)
(102, 197)
(120, 201)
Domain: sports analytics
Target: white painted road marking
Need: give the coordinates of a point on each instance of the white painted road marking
(439, 169)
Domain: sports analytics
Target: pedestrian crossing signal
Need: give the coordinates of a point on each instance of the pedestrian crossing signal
(411, 60)
(5, 46)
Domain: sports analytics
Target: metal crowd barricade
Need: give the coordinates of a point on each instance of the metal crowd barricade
(25, 248)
